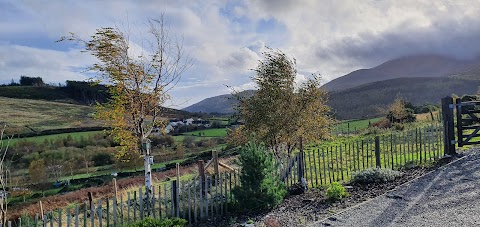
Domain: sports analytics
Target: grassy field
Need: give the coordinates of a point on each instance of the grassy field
(355, 125)
(213, 132)
(23, 115)
(336, 160)
(76, 136)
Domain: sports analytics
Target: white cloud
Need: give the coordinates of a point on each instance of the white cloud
(226, 38)
(244, 87)
(51, 65)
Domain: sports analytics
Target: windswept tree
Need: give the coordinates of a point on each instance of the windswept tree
(138, 81)
(281, 114)
(399, 113)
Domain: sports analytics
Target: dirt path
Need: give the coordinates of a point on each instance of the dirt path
(448, 196)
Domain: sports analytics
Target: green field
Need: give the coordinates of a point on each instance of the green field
(76, 136)
(355, 125)
(336, 160)
(213, 132)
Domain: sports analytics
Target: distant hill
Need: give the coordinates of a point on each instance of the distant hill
(365, 101)
(76, 92)
(218, 104)
(410, 66)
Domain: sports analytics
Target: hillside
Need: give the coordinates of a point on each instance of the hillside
(26, 116)
(411, 66)
(365, 101)
(76, 92)
(218, 104)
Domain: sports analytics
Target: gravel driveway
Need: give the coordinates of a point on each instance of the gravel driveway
(448, 196)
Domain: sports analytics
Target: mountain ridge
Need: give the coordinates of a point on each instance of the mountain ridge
(410, 66)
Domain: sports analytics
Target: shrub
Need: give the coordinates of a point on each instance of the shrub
(102, 159)
(260, 188)
(150, 222)
(159, 140)
(189, 142)
(375, 175)
(399, 127)
(384, 123)
(336, 191)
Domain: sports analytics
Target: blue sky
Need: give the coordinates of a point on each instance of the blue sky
(225, 38)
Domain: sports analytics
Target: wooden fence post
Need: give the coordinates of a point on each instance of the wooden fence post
(448, 126)
(201, 173)
(175, 198)
(301, 163)
(459, 122)
(215, 162)
(377, 152)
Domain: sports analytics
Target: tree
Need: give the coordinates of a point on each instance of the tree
(31, 81)
(38, 171)
(280, 115)
(260, 188)
(138, 83)
(399, 113)
(4, 145)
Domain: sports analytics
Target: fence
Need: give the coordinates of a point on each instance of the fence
(191, 199)
(209, 196)
(324, 165)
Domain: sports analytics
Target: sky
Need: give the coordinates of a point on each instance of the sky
(226, 38)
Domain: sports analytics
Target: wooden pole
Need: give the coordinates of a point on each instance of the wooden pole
(448, 126)
(377, 152)
(215, 162)
(115, 187)
(90, 199)
(201, 173)
(301, 164)
(41, 209)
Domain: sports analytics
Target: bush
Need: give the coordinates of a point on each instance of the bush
(375, 175)
(260, 188)
(336, 191)
(150, 222)
(102, 159)
(189, 142)
(159, 140)
(399, 127)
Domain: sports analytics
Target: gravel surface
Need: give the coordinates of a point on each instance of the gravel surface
(448, 196)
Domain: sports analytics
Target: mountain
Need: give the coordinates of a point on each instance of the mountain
(410, 66)
(366, 101)
(363, 93)
(223, 104)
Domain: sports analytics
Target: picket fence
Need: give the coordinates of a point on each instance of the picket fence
(321, 165)
(196, 199)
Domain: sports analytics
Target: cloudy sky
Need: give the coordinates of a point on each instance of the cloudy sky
(225, 38)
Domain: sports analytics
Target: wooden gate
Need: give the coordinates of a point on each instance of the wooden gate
(468, 122)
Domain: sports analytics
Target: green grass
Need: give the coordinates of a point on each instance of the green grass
(355, 125)
(213, 132)
(76, 136)
(336, 161)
